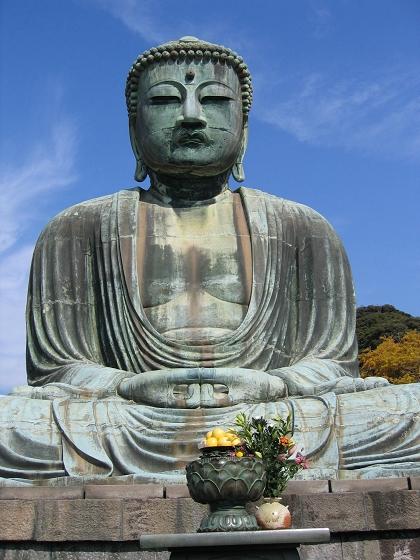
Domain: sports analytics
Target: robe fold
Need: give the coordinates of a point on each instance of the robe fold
(87, 330)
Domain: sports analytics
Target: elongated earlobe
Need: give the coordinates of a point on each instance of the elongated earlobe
(141, 171)
(238, 171)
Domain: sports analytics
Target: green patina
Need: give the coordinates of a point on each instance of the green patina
(154, 315)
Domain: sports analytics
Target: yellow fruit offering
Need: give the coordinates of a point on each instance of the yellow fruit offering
(224, 441)
(239, 454)
(221, 438)
(218, 432)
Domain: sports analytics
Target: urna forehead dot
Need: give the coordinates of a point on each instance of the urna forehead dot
(189, 75)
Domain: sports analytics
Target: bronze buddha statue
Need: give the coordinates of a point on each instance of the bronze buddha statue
(155, 314)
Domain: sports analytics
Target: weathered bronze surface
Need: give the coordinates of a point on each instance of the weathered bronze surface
(154, 315)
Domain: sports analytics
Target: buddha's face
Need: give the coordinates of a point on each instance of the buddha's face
(189, 118)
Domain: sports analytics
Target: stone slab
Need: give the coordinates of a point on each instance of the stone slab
(179, 515)
(77, 551)
(41, 493)
(354, 550)
(293, 537)
(393, 510)
(79, 520)
(271, 552)
(300, 487)
(328, 551)
(331, 510)
(135, 491)
(399, 549)
(374, 485)
(17, 520)
(177, 491)
(415, 482)
(125, 518)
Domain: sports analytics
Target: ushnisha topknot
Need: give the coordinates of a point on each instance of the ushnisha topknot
(189, 49)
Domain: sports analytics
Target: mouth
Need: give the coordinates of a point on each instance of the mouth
(196, 139)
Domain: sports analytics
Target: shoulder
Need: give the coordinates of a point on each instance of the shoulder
(299, 215)
(82, 218)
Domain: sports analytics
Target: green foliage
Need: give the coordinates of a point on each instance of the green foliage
(377, 321)
(273, 443)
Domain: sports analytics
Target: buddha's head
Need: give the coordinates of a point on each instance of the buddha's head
(188, 104)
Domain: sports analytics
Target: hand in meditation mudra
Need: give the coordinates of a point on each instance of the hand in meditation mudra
(154, 315)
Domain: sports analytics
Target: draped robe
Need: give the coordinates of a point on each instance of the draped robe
(87, 330)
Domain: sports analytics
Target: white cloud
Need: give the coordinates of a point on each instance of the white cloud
(137, 16)
(320, 17)
(379, 115)
(49, 167)
(150, 21)
(22, 185)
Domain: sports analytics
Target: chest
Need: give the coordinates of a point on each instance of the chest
(200, 250)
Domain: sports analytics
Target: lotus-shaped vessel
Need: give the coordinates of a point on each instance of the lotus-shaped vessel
(226, 483)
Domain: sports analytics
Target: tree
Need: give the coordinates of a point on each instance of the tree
(397, 361)
(376, 321)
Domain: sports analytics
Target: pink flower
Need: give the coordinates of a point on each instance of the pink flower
(282, 457)
(301, 460)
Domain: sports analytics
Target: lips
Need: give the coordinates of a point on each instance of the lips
(194, 139)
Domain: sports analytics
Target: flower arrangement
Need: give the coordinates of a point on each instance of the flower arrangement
(270, 441)
(273, 443)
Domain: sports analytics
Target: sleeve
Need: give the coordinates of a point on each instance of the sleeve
(324, 349)
(62, 308)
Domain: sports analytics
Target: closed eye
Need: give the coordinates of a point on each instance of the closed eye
(164, 100)
(208, 99)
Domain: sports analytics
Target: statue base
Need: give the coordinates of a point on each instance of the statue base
(368, 519)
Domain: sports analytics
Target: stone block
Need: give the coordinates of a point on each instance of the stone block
(361, 550)
(17, 520)
(106, 551)
(79, 520)
(335, 511)
(399, 549)
(294, 503)
(181, 515)
(393, 510)
(373, 485)
(415, 482)
(177, 491)
(301, 487)
(41, 493)
(24, 551)
(327, 551)
(135, 491)
(77, 551)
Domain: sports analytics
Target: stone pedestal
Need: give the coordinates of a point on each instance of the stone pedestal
(242, 545)
(368, 519)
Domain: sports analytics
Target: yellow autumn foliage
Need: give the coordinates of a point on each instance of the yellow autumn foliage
(399, 362)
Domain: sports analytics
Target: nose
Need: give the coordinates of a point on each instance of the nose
(192, 115)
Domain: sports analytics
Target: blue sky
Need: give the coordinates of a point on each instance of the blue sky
(335, 123)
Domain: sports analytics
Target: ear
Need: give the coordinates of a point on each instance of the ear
(141, 170)
(238, 167)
